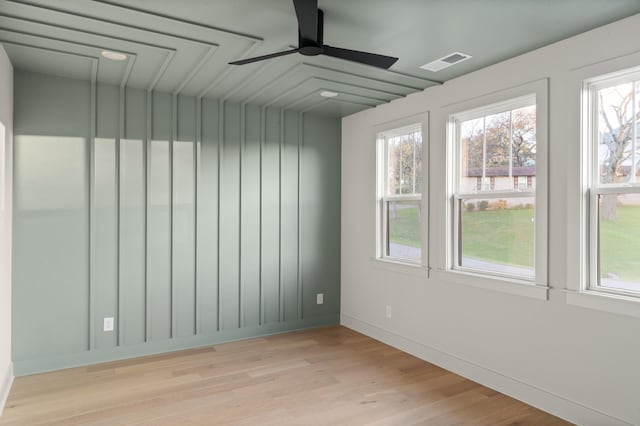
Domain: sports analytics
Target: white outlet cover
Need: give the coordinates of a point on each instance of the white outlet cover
(388, 311)
(320, 298)
(108, 324)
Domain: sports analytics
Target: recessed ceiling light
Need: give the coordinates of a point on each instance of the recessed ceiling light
(114, 56)
(328, 94)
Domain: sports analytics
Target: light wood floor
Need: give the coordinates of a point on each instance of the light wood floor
(330, 376)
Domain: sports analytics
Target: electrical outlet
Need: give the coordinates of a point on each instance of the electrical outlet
(319, 298)
(388, 311)
(108, 324)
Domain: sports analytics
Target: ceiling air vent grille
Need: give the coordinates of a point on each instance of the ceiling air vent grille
(445, 61)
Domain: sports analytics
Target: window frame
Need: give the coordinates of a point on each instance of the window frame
(382, 133)
(594, 189)
(488, 104)
(577, 231)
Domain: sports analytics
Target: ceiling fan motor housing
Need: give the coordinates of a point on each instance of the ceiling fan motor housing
(312, 47)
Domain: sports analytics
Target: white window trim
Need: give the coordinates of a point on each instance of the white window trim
(580, 169)
(389, 129)
(501, 100)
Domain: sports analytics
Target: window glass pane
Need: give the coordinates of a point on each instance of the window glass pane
(403, 241)
(523, 147)
(417, 155)
(619, 241)
(394, 176)
(617, 149)
(471, 149)
(636, 146)
(404, 162)
(497, 235)
(498, 151)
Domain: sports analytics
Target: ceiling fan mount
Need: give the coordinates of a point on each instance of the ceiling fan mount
(310, 50)
(311, 43)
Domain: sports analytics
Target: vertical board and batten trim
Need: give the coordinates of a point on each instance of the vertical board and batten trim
(172, 139)
(196, 182)
(263, 133)
(260, 188)
(196, 168)
(280, 284)
(90, 158)
(220, 151)
(120, 136)
(300, 144)
(147, 175)
(243, 134)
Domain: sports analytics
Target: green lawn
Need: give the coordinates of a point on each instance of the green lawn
(620, 244)
(506, 236)
(503, 236)
(405, 227)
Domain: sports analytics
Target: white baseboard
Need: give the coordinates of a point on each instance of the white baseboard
(544, 400)
(6, 381)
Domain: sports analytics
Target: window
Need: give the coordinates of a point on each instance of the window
(494, 222)
(400, 187)
(611, 107)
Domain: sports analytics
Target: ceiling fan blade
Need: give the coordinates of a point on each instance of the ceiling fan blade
(262, 58)
(380, 61)
(307, 13)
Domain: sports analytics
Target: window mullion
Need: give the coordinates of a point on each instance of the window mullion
(511, 147)
(617, 189)
(400, 165)
(594, 249)
(414, 164)
(632, 176)
(404, 197)
(495, 195)
(385, 167)
(484, 152)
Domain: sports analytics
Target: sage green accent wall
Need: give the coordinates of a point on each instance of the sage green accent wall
(189, 220)
(6, 167)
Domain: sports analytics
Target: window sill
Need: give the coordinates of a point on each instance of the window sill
(608, 302)
(407, 268)
(501, 284)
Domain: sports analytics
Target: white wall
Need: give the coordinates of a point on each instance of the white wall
(582, 364)
(6, 122)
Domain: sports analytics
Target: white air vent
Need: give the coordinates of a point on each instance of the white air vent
(445, 61)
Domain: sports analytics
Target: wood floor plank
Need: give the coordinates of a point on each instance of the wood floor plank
(328, 376)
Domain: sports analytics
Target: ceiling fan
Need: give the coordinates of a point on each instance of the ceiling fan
(310, 40)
